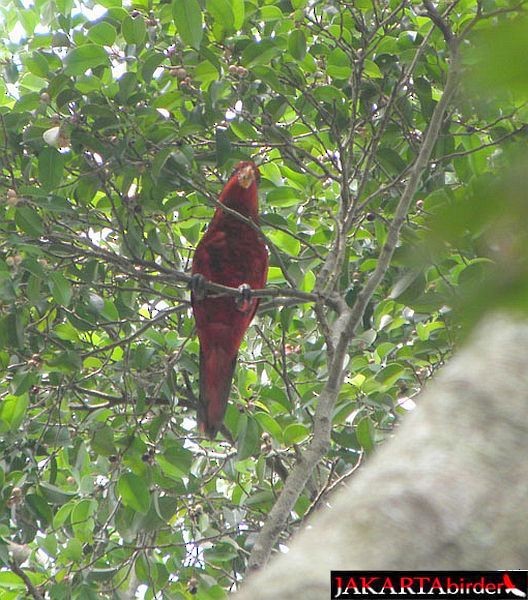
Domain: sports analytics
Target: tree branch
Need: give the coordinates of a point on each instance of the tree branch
(343, 329)
(32, 590)
(131, 266)
(422, 160)
(439, 21)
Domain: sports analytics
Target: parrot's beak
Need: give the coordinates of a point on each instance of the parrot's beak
(246, 176)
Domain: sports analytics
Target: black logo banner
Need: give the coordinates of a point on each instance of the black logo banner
(349, 585)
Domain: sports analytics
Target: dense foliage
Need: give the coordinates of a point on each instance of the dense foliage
(118, 125)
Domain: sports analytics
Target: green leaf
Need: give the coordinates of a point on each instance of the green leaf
(297, 44)
(238, 9)
(223, 552)
(275, 275)
(188, 20)
(33, 289)
(258, 53)
(372, 69)
(81, 519)
(60, 288)
(328, 93)
(127, 86)
(73, 550)
(222, 13)
(283, 197)
(134, 30)
(261, 500)
(223, 147)
(10, 71)
(40, 508)
(424, 330)
(180, 457)
(22, 382)
(206, 72)
(54, 494)
(390, 374)
(272, 172)
(391, 160)
(270, 13)
(37, 64)
(308, 281)
(295, 433)
(62, 515)
(12, 329)
(365, 434)
(286, 242)
(96, 303)
(80, 59)
(49, 545)
(247, 440)
(110, 311)
(244, 130)
(159, 161)
(269, 424)
(28, 219)
(150, 65)
(64, 7)
(50, 168)
(339, 64)
(12, 411)
(102, 33)
(29, 19)
(103, 440)
(10, 582)
(134, 492)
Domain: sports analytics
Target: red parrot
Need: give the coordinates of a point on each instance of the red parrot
(231, 253)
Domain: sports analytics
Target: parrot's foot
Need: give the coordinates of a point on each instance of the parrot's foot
(244, 301)
(197, 286)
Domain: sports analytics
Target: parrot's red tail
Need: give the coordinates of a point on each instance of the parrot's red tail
(216, 375)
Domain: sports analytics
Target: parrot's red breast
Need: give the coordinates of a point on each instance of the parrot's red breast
(231, 253)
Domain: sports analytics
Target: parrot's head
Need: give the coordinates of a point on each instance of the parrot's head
(246, 173)
(240, 192)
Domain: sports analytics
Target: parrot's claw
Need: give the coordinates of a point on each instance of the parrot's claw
(243, 302)
(197, 286)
